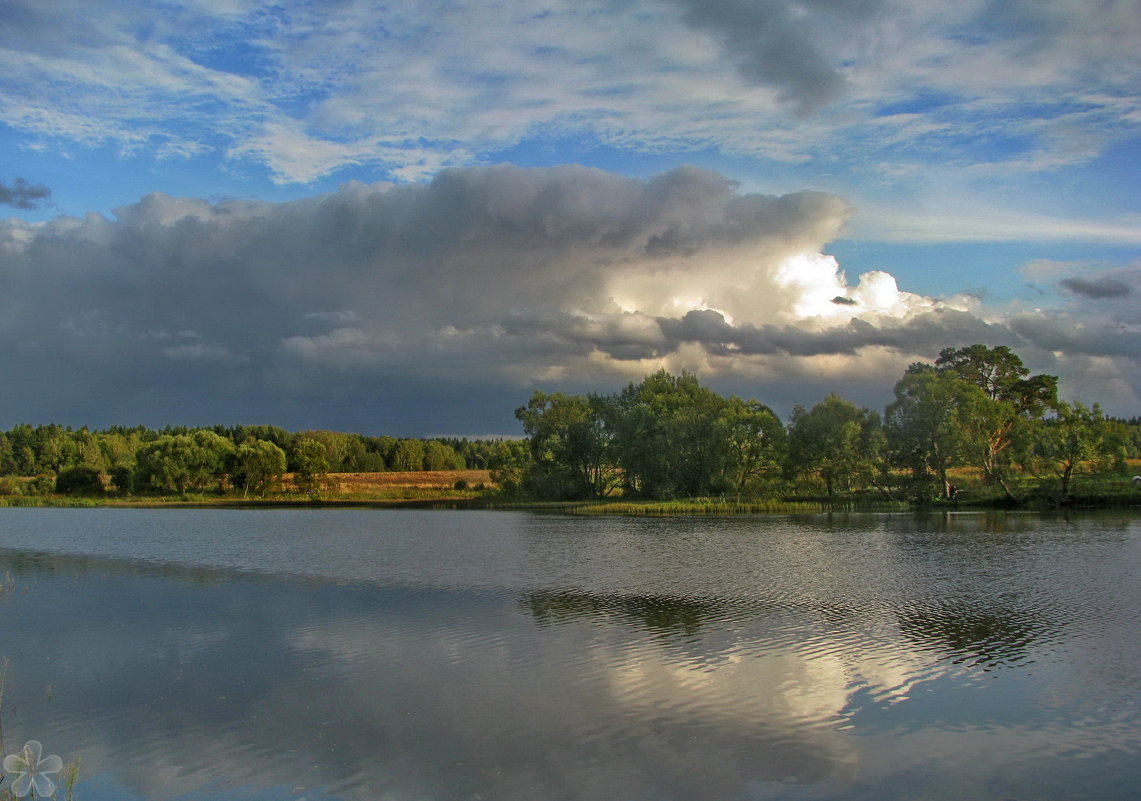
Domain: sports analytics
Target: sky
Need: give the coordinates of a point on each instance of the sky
(404, 218)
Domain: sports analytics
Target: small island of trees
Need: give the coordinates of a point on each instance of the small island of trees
(975, 427)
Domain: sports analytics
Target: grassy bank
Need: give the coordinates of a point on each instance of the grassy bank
(473, 489)
(397, 489)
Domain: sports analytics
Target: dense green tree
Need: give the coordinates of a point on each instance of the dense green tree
(441, 456)
(310, 465)
(836, 440)
(259, 467)
(7, 457)
(22, 442)
(569, 444)
(988, 428)
(243, 433)
(123, 478)
(754, 442)
(922, 426)
(385, 448)
(1074, 439)
(79, 480)
(55, 448)
(408, 455)
(1002, 376)
(665, 437)
(509, 462)
(1122, 442)
(476, 454)
(118, 449)
(344, 452)
(1007, 397)
(184, 462)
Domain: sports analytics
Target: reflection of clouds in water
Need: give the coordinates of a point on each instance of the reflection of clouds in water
(366, 692)
(630, 708)
(805, 653)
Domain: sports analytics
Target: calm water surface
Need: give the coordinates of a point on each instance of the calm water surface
(408, 656)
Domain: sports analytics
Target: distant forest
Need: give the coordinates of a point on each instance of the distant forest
(975, 414)
(247, 458)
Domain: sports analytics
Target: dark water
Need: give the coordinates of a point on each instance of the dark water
(513, 657)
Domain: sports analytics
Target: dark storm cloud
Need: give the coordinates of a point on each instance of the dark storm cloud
(428, 307)
(367, 291)
(23, 195)
(926, 332)
(1096, 288)
(781, 44)
(1081, 336)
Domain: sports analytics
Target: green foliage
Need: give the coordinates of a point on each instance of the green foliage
(667, 437)
(569, 447)
(1006, 398)
(441, 456)
(1002, 376)
(754, 442)
(310, 466)
(140, 460)
(922, 426)
(79, 481)
(1073, 441)
(123, 479)
(345, 453)
(408, 455)
(258, 467)
(836, 440)
(184, 462)
(40, 485)
(509, 463)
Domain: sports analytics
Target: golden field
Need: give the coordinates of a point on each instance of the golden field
(422, 484)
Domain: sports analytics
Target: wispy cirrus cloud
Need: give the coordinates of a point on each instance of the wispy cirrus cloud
(411, 88)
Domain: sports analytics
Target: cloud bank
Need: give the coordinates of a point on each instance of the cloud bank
(426, 307)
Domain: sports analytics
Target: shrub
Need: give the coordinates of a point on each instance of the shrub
(41, 485)
(123, 479)
(79, 481)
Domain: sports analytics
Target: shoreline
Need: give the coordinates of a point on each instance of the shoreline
(636, 508)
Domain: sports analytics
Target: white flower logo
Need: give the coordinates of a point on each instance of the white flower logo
(32, 770)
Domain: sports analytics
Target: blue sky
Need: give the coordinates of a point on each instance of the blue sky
(419, 212)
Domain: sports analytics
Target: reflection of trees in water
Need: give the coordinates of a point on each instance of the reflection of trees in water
(997, 521)
(660, 614)
(35, 564)
(979, 638)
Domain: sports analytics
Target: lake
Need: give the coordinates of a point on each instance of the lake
(420, 655)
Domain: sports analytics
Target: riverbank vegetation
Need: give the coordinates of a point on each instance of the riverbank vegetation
(973, 428)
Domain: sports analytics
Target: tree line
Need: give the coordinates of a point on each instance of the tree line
(670, 437)
(665, 437)
(251, 459)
